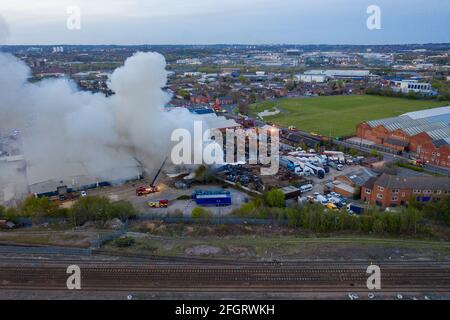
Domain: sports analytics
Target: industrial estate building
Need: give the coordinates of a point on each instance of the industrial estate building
(76, 176)
(425, 134)
(325, 75)
(407, 86)
(390, 191)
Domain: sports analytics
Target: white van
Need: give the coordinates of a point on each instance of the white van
(306, 188)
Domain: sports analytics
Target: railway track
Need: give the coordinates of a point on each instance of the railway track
(148, 260)
(245, 278)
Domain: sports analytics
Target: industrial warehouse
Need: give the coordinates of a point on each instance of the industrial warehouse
(24, 173)
(425, 134)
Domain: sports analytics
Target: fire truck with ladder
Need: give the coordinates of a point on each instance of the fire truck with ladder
(152, 188)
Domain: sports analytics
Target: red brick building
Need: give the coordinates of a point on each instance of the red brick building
(426, 134)
(199, 99)
(435, 152)
(390, 191)
(226, 100)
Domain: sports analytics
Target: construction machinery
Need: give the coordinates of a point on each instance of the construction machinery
(152, 188)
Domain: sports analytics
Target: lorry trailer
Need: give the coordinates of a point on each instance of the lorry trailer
(355, 208)
(318, 171)
(212, 198)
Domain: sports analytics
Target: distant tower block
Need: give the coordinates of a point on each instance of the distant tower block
(58, 49)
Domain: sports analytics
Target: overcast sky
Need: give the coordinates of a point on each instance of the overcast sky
(225, 21)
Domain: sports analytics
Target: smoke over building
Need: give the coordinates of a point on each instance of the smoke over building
(71, 138)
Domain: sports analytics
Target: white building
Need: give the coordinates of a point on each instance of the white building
(193, 61)
(324, 75)
(309, 78)
(406, 86)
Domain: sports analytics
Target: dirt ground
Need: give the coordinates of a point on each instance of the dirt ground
(275, 243)
(55, 236)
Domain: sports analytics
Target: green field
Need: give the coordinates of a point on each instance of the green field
(338, 115)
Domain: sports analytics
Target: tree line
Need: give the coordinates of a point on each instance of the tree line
(90, 208)
(407, 220)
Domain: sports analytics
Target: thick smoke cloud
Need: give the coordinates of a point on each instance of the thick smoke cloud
(61, 124)
(4, 31)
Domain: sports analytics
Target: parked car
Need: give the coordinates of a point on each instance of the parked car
(306, 188)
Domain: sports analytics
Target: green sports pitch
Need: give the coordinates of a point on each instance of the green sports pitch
(337, 116)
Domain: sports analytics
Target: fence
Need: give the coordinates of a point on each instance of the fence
(213, 220)
(45, 250)
(97, 243)
(29, 222)
(365, 147)
(102, 239)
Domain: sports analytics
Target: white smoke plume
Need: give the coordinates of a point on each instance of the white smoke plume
(4, 31)
(61, 124)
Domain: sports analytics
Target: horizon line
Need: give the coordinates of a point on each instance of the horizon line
(230, 44)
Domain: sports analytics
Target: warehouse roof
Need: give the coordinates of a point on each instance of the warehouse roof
(434, 122)
(333, 73)
(359, 177)
(430, 113)
(345, 187)
(430, 183)
(439, 117)
(439, 134)
(46, 177)
(441, 142)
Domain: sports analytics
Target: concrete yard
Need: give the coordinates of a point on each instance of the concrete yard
(127, 192)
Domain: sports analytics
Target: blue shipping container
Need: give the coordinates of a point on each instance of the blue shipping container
(209, 192)
(213, 199)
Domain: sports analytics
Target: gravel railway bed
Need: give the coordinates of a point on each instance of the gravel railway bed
(106, 258)
(226, 278)
(110, 272)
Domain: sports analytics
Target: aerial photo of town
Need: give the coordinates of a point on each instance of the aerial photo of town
(164, 165)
